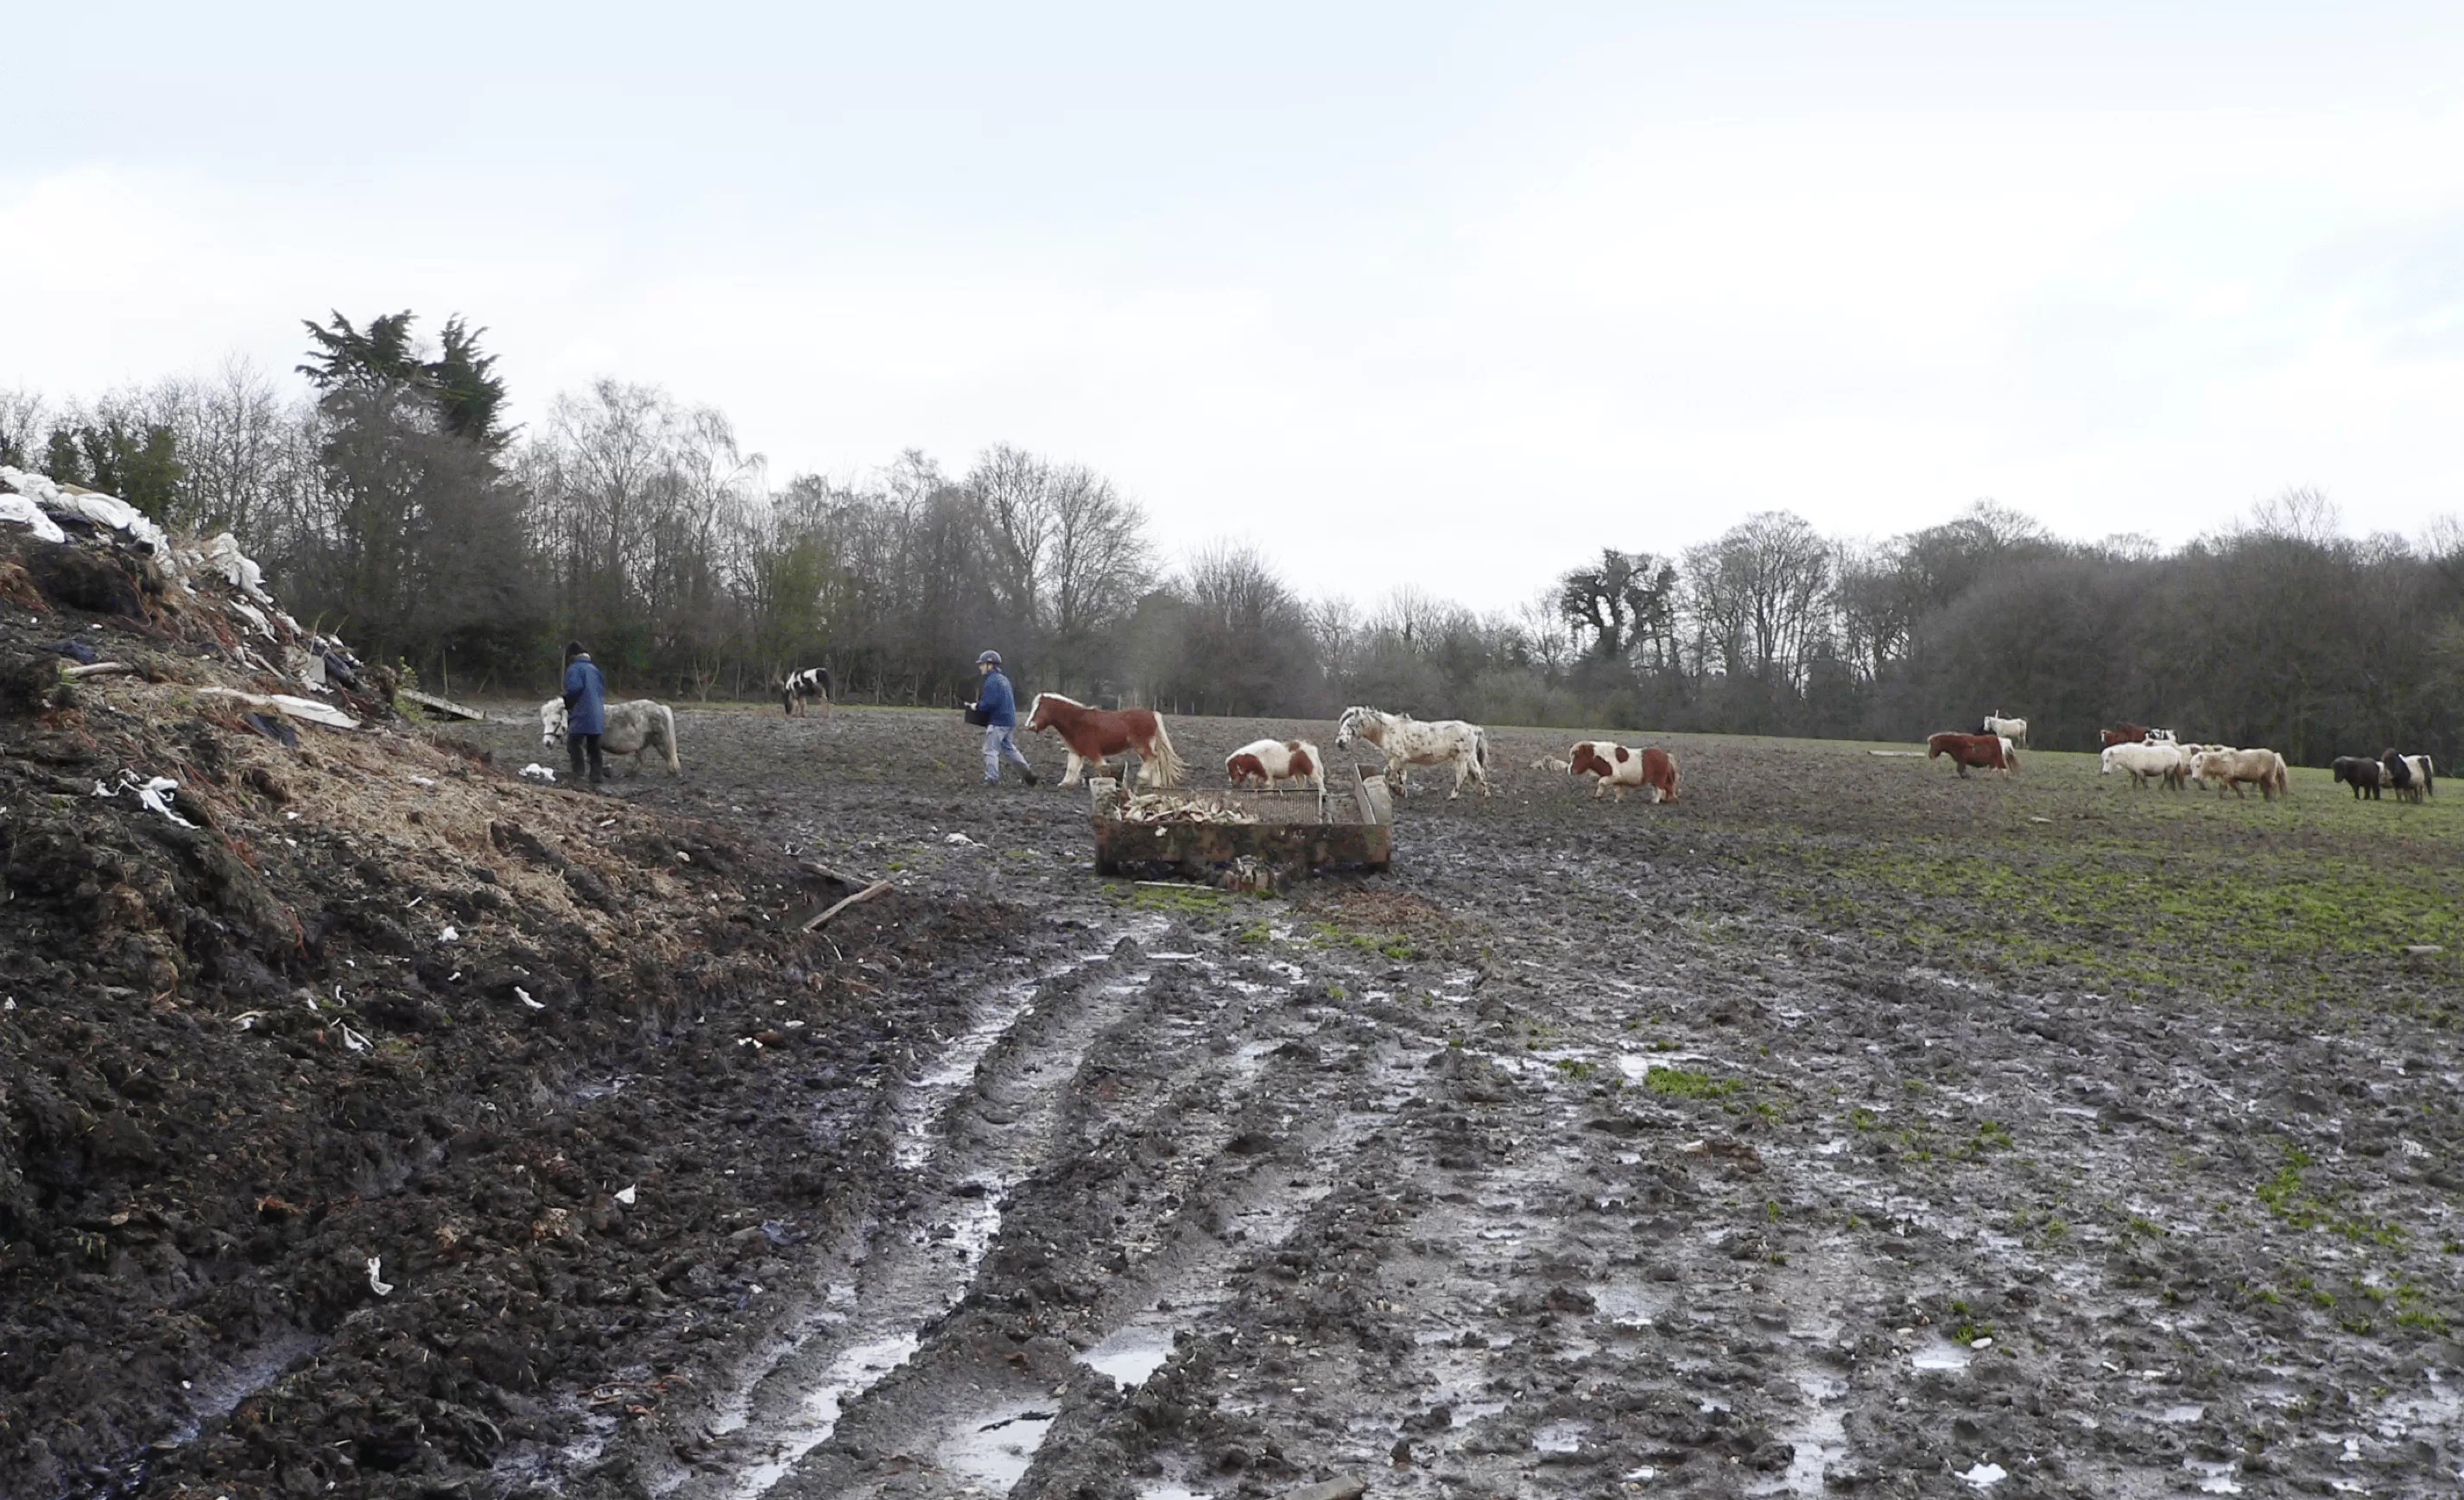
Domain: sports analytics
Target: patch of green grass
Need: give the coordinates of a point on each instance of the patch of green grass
(1686, 1083)
(2290, 1196)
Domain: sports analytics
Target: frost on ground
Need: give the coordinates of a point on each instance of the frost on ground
(1840, 1127)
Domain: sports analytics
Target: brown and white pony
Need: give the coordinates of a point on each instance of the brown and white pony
(1268, 762)
(1985, 752)
(1094, 735)
(1618, 768)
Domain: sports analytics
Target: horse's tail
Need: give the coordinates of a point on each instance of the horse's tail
(1167, 760)
(1480, 750)
(668, 732)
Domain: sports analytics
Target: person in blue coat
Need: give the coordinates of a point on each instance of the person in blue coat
(998, 707)
(585, 712)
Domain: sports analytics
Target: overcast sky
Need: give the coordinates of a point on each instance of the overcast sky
(1441, 295)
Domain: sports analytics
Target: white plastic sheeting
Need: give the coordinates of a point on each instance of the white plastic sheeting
(26, 512)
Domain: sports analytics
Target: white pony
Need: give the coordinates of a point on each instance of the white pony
(2014, 730)
(1408, 742)
(644, 724)
(2147, 763)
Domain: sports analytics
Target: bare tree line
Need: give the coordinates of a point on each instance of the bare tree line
(639, 525)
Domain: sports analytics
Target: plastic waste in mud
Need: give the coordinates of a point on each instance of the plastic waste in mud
(377, 1283)
(538, 772)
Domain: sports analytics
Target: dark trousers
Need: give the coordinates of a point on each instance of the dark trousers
(574, 746)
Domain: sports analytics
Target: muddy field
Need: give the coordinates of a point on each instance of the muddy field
(1845, 1126)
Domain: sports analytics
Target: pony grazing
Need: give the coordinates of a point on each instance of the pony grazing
(2014, 730)
(801, 689)
(1653, 769)
(1985, 752)
(1093, 735)
(1266, 761)
(2146, 762)
(1408, 742)
(2361, 773)
(642, 726)
(2233, 767)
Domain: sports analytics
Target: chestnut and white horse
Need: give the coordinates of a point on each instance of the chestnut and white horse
(1093, 734)
(1268, 762)
(1618, 768)
(1408, 741)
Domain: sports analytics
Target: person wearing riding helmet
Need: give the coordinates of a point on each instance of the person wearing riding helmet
(998, 707)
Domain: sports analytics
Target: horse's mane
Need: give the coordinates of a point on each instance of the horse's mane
(1060, 698)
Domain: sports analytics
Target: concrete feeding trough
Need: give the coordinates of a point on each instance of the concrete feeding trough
(1200, 835)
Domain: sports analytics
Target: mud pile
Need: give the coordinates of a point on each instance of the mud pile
(375, 1121)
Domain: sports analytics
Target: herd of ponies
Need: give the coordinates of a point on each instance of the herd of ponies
(1092, 737)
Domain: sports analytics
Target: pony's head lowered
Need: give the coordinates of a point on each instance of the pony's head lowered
(552, 721)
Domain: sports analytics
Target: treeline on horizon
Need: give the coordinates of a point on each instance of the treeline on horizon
(391, 504)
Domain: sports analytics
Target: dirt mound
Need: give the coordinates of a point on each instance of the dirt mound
(375, 1119)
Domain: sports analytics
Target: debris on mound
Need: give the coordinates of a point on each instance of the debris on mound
(368, 1115)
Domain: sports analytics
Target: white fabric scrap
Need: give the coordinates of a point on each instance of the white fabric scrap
(377, 1284)
(448, 934)
(525, 997)
(353, 1040)
(627, 1197)
(538, 772)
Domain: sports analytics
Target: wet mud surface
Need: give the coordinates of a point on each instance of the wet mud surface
(1594, 1149)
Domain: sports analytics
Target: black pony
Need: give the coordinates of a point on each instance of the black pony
(2364, 773)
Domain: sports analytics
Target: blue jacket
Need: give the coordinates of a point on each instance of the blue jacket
(999, 703)
(585, 698)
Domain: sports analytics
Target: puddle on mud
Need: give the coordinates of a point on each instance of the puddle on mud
(996, 1450)
(1941, 1354)
(854, 1372)
(956, 1245)
(1820, 1439)
(219, 1392)
(2215, 1475)
(1130, 1355)
(1559, 1437)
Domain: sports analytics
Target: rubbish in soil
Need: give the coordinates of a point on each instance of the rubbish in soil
(309, 709)
(1985, 1477)
(153, 792)
(26, 512)
(538, 772)
(627, 1194)
(448, 934)
(377, 1283)
(272, 728)
(524, 996)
